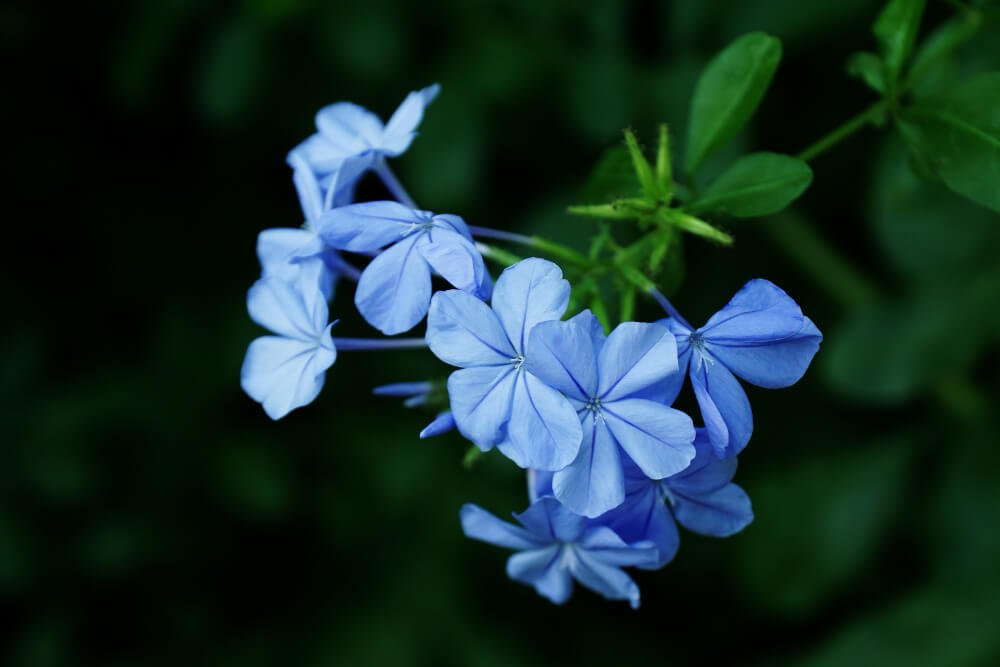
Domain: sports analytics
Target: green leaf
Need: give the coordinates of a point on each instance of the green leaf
(934, 63)
(830, 515)
(755, 185)
(958, 136)
(869, 68)
(728, 92)
(896, 30)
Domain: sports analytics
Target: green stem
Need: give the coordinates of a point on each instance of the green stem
(844, 131)
(560, 251)
(498, 255)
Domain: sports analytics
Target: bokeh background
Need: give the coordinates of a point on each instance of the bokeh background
(150, 514)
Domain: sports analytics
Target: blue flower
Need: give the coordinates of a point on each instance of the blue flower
(702, 498)
(287, 370)
(556, 546)
(416, 394)
(605, 379)
(283, 250)
(352, 140)
(394, 290)
(495, 400)
(760, 336)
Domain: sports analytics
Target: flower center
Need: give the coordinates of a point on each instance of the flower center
(665, 494)
(593, 405)
(518, 361)
(698, 345)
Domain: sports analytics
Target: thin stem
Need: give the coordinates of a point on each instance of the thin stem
(395, 187)
(669, 307)
(496, 254)
(403, 389)
(353, 344)
(342, 267)
(500, 235)
(842, 132)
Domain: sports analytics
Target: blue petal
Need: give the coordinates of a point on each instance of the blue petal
(369, 226)
(542, 569)
(564, 356)
(718, 514)
(608, 547)
(455, 259)
(706, 473)
(283, 374)
(480, 402)
(667, 391)
(307, 187)
(772, 365)
(529, 292)
(401, 128)
(544, 430)
(394, 291)
(403, 389)
(343, 180)
(724, 408)
(455, 223)
(279, 248)
(463, 331)
(539, 484)
(635, 356)
(606, 580)
(348, 128)
(759, 313)
(292, 309)
(551, 521)
(478, 524)
(657, 438)
(593, 483)
(443, 423)
(644, 516)
(319, 154)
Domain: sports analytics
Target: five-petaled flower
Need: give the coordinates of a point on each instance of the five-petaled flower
(395, 288)
(761, 336)
(287, 370)
(604, 378)
(494, 398)
(556, 546)
(352, 140)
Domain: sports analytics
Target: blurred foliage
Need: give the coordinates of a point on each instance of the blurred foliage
(150, 514)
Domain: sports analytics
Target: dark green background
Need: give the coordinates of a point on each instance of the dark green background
(150, 514)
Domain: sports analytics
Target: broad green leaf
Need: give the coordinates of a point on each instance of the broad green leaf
(755, 185)
(958, 134)
(928, 232)
(728, 92)
(818, 523)
(896, 30)
(869, 68)
(934, 65)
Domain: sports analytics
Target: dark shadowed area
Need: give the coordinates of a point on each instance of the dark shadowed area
(151, 514)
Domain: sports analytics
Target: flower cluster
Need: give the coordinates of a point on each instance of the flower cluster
(613, 467)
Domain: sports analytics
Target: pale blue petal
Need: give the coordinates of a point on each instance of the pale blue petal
(307, 187)
(283, 374)
(478, 524)
(607, 546)
(463, 331)
(394, 291)
(593, 483)
(455, 223)
(539, 483)
(563, 356)
(551, 521)
(369, 226)
(343, 180)
(707, 472)
(644, 516)
(480, 402)
(278, 248)
(529, 292)
(401, 128)
(657, 438)
(606, 580)
(720, 513)
(724, 408)
(349, 128)
(544, 430)
(667, 391)
(553, 583)
(455, 259)
(292, 309)
(321, 156)
(759, 312)
(442, 424)
(635, 356)
(772, 365)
